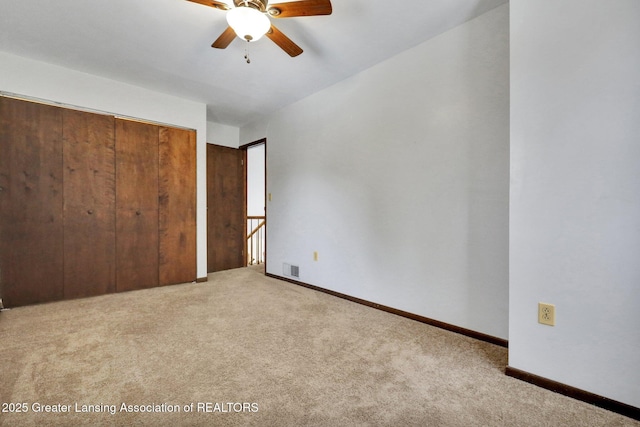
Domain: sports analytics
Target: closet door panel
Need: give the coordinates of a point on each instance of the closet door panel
(89, 204)
(177, 209)
(136, 205)
(137, 249)
(31, 225)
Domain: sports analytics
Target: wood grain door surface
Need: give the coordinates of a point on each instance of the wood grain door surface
(177, 208)
(226, 225)
(89, 204)
(136, 205)
(31, 198)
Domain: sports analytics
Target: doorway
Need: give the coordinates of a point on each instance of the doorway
(256, 201)
(236, 206)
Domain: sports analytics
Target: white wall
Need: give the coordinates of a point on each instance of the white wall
(254, 131)
(256, 180)
(225, 135)
(575, 193)
(399, 178)
(52, 83)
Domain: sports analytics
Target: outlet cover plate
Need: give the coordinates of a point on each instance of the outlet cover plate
(546, 314)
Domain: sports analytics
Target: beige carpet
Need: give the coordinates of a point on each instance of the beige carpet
(250, 350)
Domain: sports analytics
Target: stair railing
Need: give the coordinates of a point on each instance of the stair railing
(256, 239)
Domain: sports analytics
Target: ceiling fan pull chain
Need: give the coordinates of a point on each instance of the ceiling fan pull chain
(246, 53)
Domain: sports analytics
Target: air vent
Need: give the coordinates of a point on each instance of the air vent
(291, 270)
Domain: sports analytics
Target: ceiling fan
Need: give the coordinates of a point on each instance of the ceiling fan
(249, 20)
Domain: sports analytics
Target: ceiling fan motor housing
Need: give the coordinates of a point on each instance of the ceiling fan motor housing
(260, 5)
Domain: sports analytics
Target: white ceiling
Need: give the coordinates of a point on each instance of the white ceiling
(164, 45)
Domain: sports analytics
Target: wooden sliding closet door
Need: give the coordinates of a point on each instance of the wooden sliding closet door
(89, 204)
(177, 210)
(31, 226)
(136, 205)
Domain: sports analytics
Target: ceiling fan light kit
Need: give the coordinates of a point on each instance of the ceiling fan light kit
(249, 20)
(249, 24)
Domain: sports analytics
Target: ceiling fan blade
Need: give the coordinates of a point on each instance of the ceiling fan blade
(300, 8)
(284, 42)
(212, 3)
(225, 39)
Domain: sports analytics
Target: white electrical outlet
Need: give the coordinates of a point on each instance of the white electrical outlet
(546, 314)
